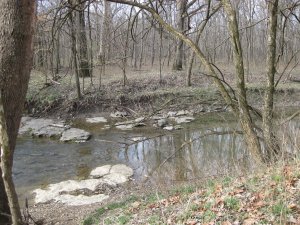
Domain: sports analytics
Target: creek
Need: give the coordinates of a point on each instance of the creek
(201, 149)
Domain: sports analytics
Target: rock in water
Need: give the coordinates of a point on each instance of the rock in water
(162, 122)
(96, 120)
(49, 131)
(76, 135)
(184, 119)
(118, 114)
(31, 125)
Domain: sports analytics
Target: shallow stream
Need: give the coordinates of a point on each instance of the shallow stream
(201, 149)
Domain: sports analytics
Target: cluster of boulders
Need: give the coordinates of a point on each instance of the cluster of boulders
(96, 188)
(52, 129)
(168, 121)
(60, 130)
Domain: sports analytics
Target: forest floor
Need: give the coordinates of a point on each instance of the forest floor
(270, 196)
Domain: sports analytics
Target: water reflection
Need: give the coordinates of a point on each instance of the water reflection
(188, 154)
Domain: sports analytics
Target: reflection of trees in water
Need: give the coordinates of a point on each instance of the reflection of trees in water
(291, 136)
(209, 155)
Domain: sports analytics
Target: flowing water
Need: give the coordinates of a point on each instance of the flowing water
(199, 150)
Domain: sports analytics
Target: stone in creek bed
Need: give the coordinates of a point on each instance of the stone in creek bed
(162, 122)
(76, 135)
(96, 120)
(49, 131)
(184, 119)
(31, 125)
(118, 114)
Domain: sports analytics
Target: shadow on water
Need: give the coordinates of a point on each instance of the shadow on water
(198, 150)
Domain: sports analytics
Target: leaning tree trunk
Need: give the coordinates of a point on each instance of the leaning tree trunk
(271, 143)
(16, 26)
(245, 119)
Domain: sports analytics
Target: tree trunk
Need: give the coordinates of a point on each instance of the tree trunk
(153, 48)
(271, 143)
(74, 54)
(16, 29)
(4, 207)
(192, 58)
(81, 40)
(245, 119)
(180, 20)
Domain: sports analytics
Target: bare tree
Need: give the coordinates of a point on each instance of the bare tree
(270, 140)
(16, 25)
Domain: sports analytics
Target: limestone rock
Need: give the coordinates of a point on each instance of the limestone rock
(122, 169)
(96, 120)
(80, 199)
(184, 119)
(169, 128)
(100, 171)
(171, 114)
(118, 114)
(73, 192)
(76, 135)
(49, 131)
(128, 125)
(31, 125)
(162, 122)
(115, 178)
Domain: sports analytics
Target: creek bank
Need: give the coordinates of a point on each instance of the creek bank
(101, 182)
(268, 196)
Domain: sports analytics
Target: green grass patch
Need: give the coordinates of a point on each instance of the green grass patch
(183, 190)
(280, 209)
(94, 218)
(154, 219)
(123, 219)
(231, 203)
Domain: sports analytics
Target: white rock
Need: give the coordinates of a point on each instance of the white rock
(170, 128)
(182, 113)
(118, 114)
(60, 192)
(100, 171)
(49, 131)
(185, 119)
(80, 199)
(54, 190)
(171, 114)
(125, 127)
(33, 125)
(96, 120)
(140, 119)
(115, 178)
(75, 134)
(122, 169)
(162, 122)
